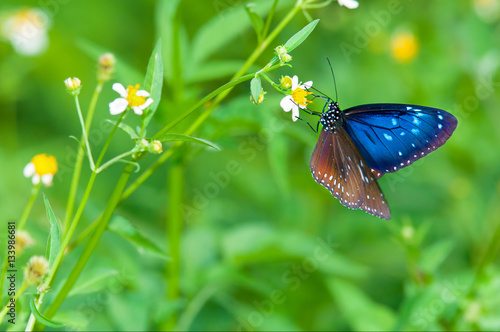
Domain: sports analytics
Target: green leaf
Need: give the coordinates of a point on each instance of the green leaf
(124, 228)
(41, 318)
(94, 283)
(257, 21)
(123, 71)
(54, 243)
(297, 38)
(168, 137)
(300, 36)
(362, 313)
(153, 82)
(126, 128)
(255, 88)
(165, 13)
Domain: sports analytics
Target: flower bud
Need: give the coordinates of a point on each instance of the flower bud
(259, 100)
(282, 54)
(106, 67)
(156, 147)
(23, 240)
(35, 270)
(73, 85)
(286, 82)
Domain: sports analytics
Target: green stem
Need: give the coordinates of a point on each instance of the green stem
(29, 205)
(211, 95)
(114, 160)
(93, 241)
(221, 93)
(81, 207)
(119, 190)
(130, 189)
(216, 93)
(84, 131)
(269, 18)
(78, 214)
(317, 5)
(174, 232)
(195, 306)
(79, 159)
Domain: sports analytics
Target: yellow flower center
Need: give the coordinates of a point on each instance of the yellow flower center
(299, 96)
(44, 164)
(132, 97)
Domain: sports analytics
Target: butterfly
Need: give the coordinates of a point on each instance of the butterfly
(360, 144)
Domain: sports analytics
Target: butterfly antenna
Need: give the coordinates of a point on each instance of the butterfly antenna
(334, 82)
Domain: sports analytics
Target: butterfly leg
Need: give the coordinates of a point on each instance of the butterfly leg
(315, 130)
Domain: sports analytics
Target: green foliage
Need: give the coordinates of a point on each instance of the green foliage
(41, 318)
(53, 241)
(123, 227)
(259, 245)
(153, 82)
(185, 138)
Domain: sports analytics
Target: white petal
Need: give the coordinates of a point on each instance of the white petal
(351, 4)
(47, 179)
(295, 82)
(35, 179)
(307, 85)
(118, 87)
(138, 109)
(32, 45)
(287, 103)
(295, 113)
(117, 106)
(29, 170)
(142, 93)
(148, 102)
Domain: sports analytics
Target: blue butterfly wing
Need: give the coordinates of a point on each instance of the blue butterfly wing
(393, 136)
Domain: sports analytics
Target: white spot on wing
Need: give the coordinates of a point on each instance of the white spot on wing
(388, 137)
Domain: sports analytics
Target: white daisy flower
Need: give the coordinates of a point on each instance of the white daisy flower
(130, 97)
(351, 4)
(297, 98)
(26, 29)
(41, 168)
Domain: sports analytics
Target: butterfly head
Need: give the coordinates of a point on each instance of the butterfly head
(331, 117)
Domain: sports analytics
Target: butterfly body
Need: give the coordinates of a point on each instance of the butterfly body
(360, 144)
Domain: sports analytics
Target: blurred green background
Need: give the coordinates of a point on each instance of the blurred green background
(263, 246)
